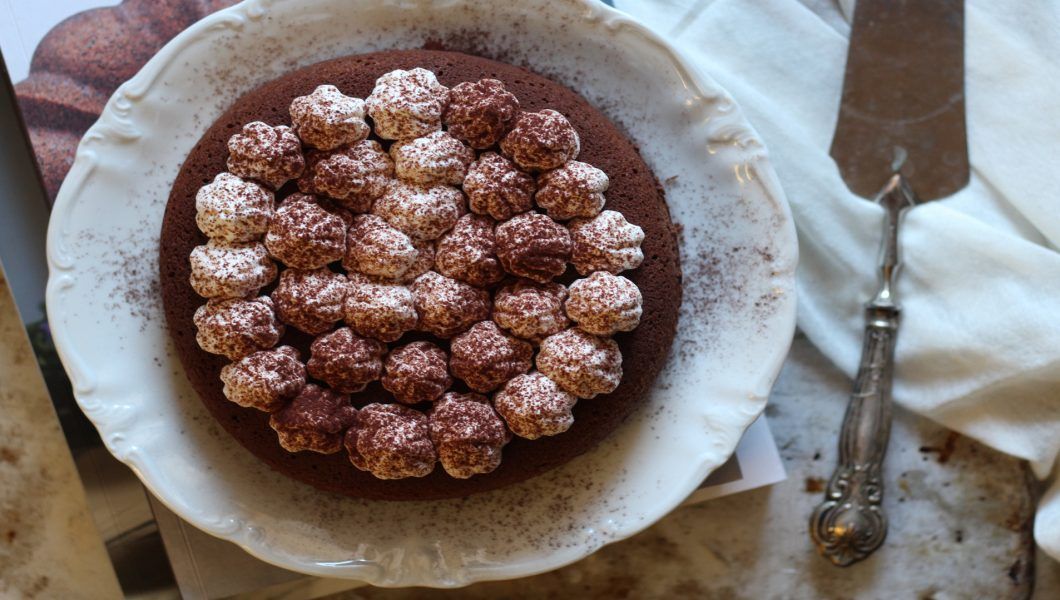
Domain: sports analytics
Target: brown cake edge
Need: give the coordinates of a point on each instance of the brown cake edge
(634, 191)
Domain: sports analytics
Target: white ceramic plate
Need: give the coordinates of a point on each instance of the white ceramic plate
(738, 252)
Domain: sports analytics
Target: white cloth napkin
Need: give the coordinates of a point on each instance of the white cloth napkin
(979, 345)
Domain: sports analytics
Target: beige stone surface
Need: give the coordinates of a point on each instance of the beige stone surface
(49, 546)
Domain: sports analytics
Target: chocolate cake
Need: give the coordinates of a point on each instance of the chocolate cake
(601, 227)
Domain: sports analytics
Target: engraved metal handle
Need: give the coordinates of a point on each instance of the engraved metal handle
(850, 524)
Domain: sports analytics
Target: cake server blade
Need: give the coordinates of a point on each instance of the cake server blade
(900, 140)
(903, 98)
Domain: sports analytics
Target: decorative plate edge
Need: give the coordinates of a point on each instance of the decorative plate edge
(115, 126)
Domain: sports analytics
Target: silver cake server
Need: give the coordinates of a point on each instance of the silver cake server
(900, 140)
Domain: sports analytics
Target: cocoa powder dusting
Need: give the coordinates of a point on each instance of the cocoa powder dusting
(460, 303)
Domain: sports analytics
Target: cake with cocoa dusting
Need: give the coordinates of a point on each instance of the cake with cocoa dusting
(418, 274)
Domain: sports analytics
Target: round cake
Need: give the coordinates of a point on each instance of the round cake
(418, 274)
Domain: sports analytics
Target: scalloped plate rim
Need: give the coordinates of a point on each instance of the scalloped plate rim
(109, 123)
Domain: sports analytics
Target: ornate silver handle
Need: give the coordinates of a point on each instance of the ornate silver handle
(849, 525)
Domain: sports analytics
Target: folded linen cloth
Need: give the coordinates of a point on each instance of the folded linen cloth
(979, 345)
